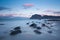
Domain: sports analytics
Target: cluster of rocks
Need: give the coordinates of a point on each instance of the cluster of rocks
(34, 25)
(16, 30)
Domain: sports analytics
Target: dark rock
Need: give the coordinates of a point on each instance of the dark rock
(48, 27)
(43, 25)
(48, 23)
(37, 32)
(53, 18)
(51, 26)
(49, 31)
(17, 28)
(15, 32)
(2, 24)
(27, 23)
(33, 25)
(35, 16)
(38, 27)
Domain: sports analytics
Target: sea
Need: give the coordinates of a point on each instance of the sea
(28, 32)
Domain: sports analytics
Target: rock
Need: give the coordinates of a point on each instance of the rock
(27, 23)
(48, 23)
(15, 32)
(37, 32)
(33, 25)
(17, 28)
(1, 24)
(51, 26)
(49, 31)
(38, 27)
(48, 27)
(43, 25)
(36, 16)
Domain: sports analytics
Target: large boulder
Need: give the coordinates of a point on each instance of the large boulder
(15, 32)
(17, 28)
(37, 32)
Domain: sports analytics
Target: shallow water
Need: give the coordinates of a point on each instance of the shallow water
(28, 32)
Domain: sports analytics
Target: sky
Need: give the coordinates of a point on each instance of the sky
(27, 8)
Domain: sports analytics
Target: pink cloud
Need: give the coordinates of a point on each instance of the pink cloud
(28, 4)
(7, 14)
(49, 11)
(53, 11)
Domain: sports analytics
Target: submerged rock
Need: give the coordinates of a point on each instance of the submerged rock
(37, 32)
(38, 27)
(2, 24)
(48, 27)
(49, 31)
(33, 25)
(17, 28)
(15, 32)
(27, 23)
(51, 26)
(48, 23)
(43, 25)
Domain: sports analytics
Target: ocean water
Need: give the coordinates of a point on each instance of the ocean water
(28, 32)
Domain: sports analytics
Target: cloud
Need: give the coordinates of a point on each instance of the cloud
(57, 12)
(4, 8)
(52, 11)
(49, 11)
(28, 5)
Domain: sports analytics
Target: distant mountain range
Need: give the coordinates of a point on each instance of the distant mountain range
(36, 16)
(11, 18)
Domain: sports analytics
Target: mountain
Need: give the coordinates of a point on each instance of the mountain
(36, 16)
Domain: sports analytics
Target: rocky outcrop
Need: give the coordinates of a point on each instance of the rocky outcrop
(36, 16)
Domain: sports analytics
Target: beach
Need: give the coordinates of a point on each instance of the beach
(28, 32)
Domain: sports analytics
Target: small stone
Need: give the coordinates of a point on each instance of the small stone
(27, 23)
(38, 27)
(37, 32)
(48, 23)
(48, 27)
(33, 25)
(43, 25)
(49, 31)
